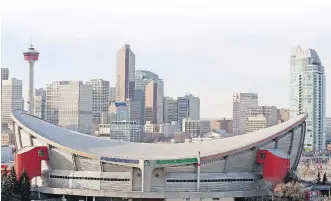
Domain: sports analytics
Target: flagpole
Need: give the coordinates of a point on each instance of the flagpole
(198, 173)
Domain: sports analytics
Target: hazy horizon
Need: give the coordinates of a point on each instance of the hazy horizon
(210, 49)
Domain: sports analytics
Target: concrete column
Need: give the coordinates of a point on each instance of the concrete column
(18, 137)
(226, 159)
(198, 173)
(276, 143)
(31, 90)
(142, 179)
(74, 162)
(291, 145)
(30, 138)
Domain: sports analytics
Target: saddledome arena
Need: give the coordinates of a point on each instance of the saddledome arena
(65, 163)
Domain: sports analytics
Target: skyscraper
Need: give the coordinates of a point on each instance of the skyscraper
(130, 131)
(261, 117)
(328, 130)
(52, 101)
(118, 111)
(40, 103)
(169, 110)
(134, 110)
(100, 99)
(4, 73)
(283, 115)
(154, 94)
(11, 97)
(196, 128)
(75, 107)
(143, 78)
(125, 79)
(307, 87)
(241, 102)
(112, 94)
(4, 76)
(188, 107)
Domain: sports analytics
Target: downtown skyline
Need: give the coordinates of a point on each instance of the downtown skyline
(211, 71)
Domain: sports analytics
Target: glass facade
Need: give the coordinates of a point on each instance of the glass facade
(308, 95)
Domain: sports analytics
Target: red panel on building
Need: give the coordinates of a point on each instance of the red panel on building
(29, 158)
(276, 164)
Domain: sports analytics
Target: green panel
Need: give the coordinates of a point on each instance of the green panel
(176, 161)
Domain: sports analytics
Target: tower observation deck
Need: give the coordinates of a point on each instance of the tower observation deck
(31, 56)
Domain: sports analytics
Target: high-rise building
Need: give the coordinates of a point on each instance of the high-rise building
(125, 78)
(118, 111)
(129, 131)
(134, 110)
(4, 73)
(283, 115)
(112, 94)
(261, 117)
(142, 78)
(100, 99)
(11, 97)
(188, 107)
(241, 102)
(4, 76)
(75, 107)
(7, 138)
(40, 103)
(154, 93)
(52, 101)
(222, 124)
(328, 130)
(196, 128)
(168, 129)
(308, 94)
(169, 110)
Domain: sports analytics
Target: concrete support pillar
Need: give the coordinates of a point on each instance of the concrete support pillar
(276, 143)
(291, 145)
(30, 138)
(226, 159)
(198, 173)
(18, 137)
(74, 162)
(146, 173)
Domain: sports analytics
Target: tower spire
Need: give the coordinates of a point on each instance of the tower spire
(31, 44)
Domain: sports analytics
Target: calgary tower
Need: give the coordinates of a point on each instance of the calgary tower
(31, 56)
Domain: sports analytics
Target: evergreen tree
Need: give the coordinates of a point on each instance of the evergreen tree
(12, 183)
(3, 175)
(5, 190)
(25, 187)
(318, 180)
(325, 179)
(292, 176)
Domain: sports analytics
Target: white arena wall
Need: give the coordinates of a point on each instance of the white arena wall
(224, 174)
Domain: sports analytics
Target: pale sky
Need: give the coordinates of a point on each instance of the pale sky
(208, 48)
